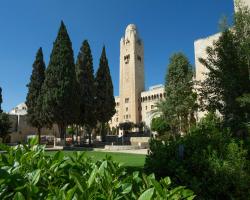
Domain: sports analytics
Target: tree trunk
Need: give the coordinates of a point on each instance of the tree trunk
(77, 133)
(102, 133)
(62, 131)
(89, 134)
(39, 135)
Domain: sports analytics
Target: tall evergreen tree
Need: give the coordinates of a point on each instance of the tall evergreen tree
(227, 79)
(180, 103)
(105, 101)
(242, 36)
(1, 100)
(34, 98)
(85, 78)
(59, 89)
(5, 123)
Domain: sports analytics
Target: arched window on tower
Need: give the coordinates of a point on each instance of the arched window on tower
(139, 58)
(126, 59)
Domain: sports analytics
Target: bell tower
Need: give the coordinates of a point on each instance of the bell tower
(131, 75)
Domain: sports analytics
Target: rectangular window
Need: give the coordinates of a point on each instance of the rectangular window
(146, 107)
(139, 58)
(126, 100)
(126, 109)
(152, 106)
(126, 59)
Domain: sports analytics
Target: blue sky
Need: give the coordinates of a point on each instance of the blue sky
(165, 26)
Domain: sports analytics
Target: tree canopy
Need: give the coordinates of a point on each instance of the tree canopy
(227, 85)
(34, 98)
(180, 103)
(60, 96)
(86, 82)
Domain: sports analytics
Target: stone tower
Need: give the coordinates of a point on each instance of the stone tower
(131, 75)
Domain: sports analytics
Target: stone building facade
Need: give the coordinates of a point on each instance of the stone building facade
(131, 75)
(134, 103)
(21, 129)
(200, 47)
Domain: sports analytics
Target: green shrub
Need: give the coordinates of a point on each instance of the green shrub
(160, 125)
(212, 164)
(30, 173)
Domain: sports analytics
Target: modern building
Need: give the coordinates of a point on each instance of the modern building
(134, 103)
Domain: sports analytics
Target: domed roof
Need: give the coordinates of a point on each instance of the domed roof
(131, 31)
(131, 27)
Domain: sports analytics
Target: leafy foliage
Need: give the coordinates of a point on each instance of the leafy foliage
(228, 77)
(207, 160)
(60, 97)
(34, 99)
(159, 125)
(86, 82)
(126, 126)
(105, 101)
(180, 104)
(30, 173)
(5, 123)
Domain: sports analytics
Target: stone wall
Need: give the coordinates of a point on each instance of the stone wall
(20, 129)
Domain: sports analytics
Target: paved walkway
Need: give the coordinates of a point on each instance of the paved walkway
(133, 151)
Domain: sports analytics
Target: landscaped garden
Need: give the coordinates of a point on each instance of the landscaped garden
(28, 172)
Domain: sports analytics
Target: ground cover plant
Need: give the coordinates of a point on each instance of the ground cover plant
(28, 172)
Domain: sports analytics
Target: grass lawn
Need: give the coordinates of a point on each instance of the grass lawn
(129, 160)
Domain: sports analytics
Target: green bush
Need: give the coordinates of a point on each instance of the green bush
(30, 173)
(160, 125)
(207, 160)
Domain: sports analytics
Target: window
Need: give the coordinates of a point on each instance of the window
(126, 109)
(126, 116)
(126, 59)
(116, 119)
(146, 107)
(126, 100)
(139, 42)
(152, 106)
(139, 58)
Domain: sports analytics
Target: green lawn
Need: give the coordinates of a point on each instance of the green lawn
(129, 160)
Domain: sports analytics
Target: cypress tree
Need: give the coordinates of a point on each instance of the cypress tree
(5, 123)
(85, 79)
(105, 101)
(1, 100)
(59, 88)
(33, 99)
